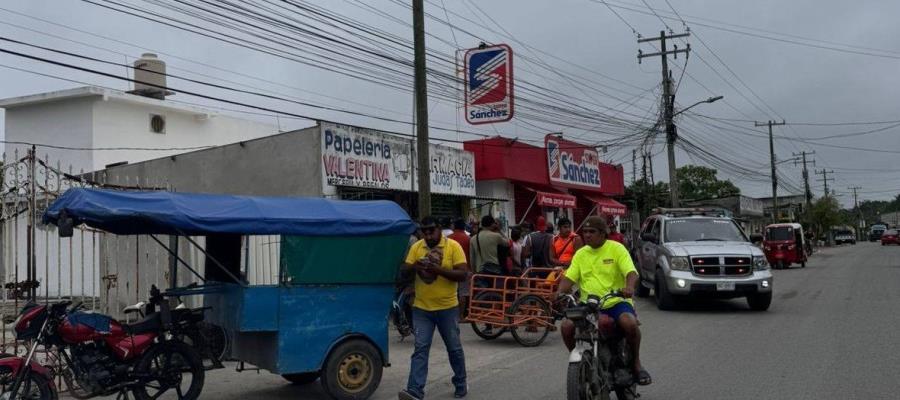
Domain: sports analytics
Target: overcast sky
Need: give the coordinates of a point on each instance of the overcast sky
(579, 49)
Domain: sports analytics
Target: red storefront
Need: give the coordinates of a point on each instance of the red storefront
(563, 178)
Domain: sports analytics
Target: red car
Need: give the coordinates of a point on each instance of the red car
(890, 236)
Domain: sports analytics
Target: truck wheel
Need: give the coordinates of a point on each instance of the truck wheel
(642, 291)
(304, 378)
(352, 371)
(759, 302)
(664, 300)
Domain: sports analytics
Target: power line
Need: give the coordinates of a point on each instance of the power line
(694, 22)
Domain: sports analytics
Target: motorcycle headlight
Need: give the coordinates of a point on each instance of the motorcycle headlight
(680, 264)
(760, 263)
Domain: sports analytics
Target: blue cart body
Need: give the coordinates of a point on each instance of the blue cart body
(337, 265)
(289, 330)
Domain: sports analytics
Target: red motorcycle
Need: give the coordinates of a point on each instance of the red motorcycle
(99, 356)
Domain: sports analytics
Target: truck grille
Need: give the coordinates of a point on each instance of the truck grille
(722, 266)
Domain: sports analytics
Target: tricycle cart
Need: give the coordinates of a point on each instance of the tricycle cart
(785, 244)
(522, 305)
(327, 317)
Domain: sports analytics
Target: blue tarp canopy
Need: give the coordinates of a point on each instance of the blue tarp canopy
(196, 214)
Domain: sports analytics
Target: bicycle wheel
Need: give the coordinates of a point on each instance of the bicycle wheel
(494, 302)
(531, 320)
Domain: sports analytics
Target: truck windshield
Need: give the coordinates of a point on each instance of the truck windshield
(780, 233)
(702, 229)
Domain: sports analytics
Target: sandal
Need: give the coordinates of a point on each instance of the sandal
(643, 378)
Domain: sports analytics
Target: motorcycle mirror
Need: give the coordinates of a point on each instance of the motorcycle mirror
(65, 224)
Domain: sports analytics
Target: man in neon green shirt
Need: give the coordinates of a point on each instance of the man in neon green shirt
(599, 268)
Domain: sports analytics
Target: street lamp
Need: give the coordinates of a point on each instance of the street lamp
(709, 100)
(671, 135)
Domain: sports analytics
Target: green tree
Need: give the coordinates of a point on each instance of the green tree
(647, 197)
(826, 213)
(699, 183)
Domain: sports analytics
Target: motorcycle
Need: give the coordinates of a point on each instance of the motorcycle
(99, 356)
(601, 362)
(401, 313)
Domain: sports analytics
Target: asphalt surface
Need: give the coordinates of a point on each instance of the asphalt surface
(830, 334)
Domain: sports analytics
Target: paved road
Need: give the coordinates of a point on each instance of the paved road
(830, 334)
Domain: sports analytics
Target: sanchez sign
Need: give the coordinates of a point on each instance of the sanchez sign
(489, 84)
(572, 164)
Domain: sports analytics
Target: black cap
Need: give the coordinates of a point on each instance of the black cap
(428, 222)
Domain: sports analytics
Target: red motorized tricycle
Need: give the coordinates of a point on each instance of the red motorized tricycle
(785, 244)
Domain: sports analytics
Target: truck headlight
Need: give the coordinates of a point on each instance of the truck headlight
(680, 264)
(760, 263)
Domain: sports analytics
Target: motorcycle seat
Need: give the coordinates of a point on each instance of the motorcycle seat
(150, 323)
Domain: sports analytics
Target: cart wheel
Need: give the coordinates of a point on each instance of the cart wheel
(531, 320)
(486, 300)
(352, 371)
(304, 378)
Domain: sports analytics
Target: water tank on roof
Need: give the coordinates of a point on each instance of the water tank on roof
(150, 77)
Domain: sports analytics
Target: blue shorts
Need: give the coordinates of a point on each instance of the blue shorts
(617, 310)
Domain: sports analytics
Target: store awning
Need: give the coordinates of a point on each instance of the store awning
(558, 200)
(606, 205)
(545, 198)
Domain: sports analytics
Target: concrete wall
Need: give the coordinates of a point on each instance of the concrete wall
(120, 123)
(287, 164)
(61, 123)
(497, 189)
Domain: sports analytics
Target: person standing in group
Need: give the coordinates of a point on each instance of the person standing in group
(446, 226)
(564, 244)
(440, 264)
(537, 247)
(460, 236)
(517, 244)
(614, 233)
(484, 246)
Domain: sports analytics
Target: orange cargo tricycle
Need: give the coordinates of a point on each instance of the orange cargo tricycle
(522, 305)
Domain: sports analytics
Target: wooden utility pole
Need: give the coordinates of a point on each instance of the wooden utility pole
(633, 166)
(423, 164)
(668, 101)
(806, 188)
(645, 210)
(859, 217)
(772, 161)
(825, 178)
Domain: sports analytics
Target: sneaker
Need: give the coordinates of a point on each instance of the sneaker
(461, 392)
(406, 395)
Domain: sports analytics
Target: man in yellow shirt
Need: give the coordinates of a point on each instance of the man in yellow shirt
(599, 268)
(439, 263)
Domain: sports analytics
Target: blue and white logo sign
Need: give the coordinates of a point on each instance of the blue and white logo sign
(489, 84)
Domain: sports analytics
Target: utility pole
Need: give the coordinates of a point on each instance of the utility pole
(423, 164)
(646, 209)
(825, 178)
(668, 100)
(858, 211)
(770, 124)
(633, 166)
(808, 192)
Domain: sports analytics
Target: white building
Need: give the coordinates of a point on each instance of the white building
(92, 117)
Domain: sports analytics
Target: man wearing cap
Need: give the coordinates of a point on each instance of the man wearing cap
(440, 264)
(599, 268)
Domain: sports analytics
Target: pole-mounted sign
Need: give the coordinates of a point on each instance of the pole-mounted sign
(489, 84)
